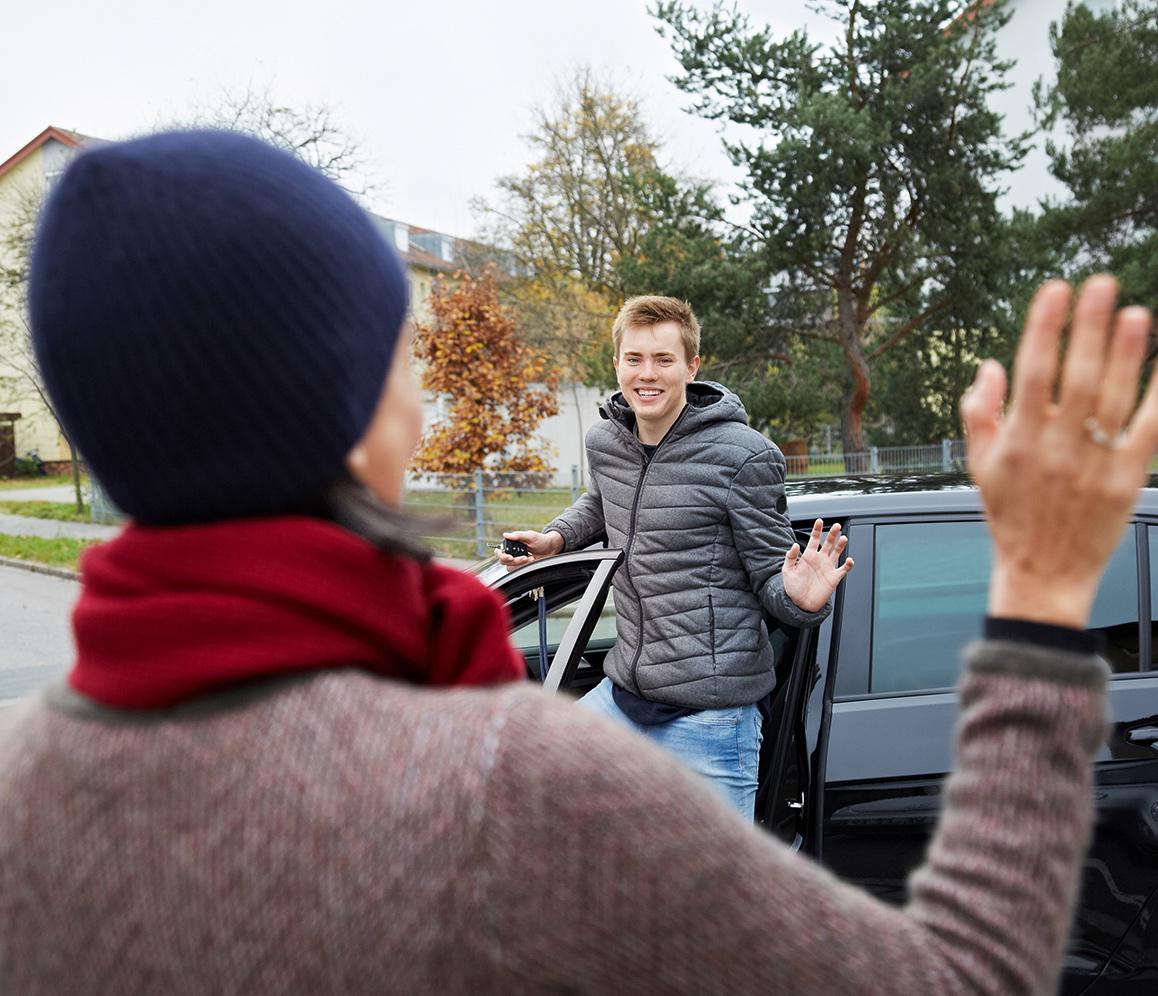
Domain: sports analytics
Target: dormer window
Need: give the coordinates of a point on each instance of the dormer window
(401, 237)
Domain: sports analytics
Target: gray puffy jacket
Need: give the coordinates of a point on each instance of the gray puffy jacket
(704, 532)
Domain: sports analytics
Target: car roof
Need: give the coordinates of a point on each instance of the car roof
(925, 494)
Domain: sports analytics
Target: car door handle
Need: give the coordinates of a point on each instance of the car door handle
(1144, 735)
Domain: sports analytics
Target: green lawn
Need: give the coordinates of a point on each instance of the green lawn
(502, 511)
(48, 481)
(821, 468)
(54, 552)
(59, 511)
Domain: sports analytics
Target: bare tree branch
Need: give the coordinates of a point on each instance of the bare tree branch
(310, 132)
(910, 326)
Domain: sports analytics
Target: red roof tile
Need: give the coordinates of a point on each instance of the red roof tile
(69, 138)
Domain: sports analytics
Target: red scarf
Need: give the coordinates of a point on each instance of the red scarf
(168, 614)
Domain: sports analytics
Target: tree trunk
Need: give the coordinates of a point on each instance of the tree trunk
(857, 382)
(75, 460)
(851, 429)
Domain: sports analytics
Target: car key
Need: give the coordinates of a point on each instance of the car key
(516, 548)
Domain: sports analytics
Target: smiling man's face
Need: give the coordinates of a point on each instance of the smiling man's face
(654, 371)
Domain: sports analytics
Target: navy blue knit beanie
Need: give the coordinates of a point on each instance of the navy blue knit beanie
(214, 321)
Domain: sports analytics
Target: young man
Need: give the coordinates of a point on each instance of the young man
(695, 498)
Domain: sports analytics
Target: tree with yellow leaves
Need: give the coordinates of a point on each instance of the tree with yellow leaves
(497, 387)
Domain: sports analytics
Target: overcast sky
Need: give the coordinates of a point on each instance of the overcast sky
(439, 94)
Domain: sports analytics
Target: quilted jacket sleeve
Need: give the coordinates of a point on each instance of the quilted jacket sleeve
(757, 511)
(581, 524)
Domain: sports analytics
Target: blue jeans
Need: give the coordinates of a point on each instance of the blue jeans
(723, 745)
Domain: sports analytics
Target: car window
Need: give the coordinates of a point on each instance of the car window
(929, 598)
(526, 637)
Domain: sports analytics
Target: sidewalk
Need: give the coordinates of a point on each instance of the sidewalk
(63, 493)
(23, 525)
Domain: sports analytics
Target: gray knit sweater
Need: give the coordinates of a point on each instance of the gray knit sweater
(342, 833)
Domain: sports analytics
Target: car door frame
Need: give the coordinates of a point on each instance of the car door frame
(540, 573)
(839, 648)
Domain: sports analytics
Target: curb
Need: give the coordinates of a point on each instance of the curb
(32, 565)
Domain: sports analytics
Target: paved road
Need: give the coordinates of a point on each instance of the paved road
(35, 632)
(23, 525)
(63, 493)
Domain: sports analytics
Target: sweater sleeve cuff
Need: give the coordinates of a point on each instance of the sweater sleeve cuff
(1080, 641)
(1025, 659)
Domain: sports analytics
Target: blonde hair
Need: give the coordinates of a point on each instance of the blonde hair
(647, 310)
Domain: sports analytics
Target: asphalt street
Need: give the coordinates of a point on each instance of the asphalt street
(23, 525)
(55, 492)
(35, 635)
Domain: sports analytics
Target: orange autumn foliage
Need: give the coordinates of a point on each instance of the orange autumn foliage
(497, 388)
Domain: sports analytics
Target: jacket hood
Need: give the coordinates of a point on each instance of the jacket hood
(707, 402)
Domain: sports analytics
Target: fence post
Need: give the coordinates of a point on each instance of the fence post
(480, 528)
(946, 455)
(874, 459)
(574, 483)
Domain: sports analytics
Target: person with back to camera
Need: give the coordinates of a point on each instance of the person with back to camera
(293, 755)
(694, 496)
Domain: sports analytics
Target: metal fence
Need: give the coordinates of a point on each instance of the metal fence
(101, 505)
(945, 456)
(468, 513)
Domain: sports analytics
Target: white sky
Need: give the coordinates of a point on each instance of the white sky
(438, 93)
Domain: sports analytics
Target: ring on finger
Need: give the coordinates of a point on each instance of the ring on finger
(1099, 435)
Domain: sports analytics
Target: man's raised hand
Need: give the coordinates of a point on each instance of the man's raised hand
(811, 576)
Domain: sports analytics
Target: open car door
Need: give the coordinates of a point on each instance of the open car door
(783, 793)
(558, 616)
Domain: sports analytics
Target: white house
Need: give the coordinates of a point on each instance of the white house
(25, 177)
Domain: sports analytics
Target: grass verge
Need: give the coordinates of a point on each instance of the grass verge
(61, 552)
(46, 481)
(502, 512)
(60, 511)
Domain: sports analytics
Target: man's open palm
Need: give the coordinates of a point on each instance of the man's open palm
(811, 577)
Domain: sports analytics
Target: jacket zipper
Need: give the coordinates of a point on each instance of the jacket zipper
(712, 628)
(631, 541)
